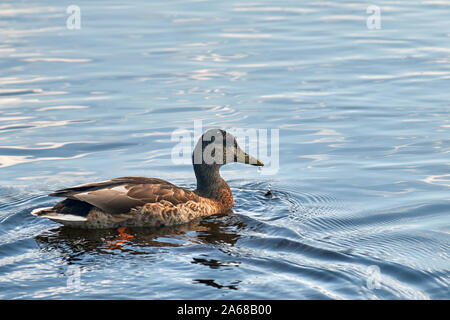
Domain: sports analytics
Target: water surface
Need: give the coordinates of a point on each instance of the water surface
(359, 208)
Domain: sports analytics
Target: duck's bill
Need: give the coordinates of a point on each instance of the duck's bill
(248, 159)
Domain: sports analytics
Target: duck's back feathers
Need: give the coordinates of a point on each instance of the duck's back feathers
(120, 195)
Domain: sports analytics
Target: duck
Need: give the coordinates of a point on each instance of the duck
(154, 202)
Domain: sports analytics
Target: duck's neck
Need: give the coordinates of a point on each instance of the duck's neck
(211, 185)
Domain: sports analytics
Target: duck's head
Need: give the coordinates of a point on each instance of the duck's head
(217, 147)
(214, 149)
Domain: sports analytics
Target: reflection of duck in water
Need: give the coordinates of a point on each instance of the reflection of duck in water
(75, 241)
(138, 201)
(88, 248)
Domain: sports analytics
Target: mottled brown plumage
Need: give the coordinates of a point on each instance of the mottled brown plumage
(140, 201)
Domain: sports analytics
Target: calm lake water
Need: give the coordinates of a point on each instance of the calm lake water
(360, 204)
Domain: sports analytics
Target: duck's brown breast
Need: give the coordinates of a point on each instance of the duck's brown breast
(225, 200)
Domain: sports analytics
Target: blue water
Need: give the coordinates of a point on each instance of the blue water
(359, 208)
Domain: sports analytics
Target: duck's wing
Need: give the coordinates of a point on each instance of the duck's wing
(120, 195)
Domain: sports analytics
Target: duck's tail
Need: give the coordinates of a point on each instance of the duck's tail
(66, 219)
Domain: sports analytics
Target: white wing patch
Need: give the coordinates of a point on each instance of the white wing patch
(121, 189)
